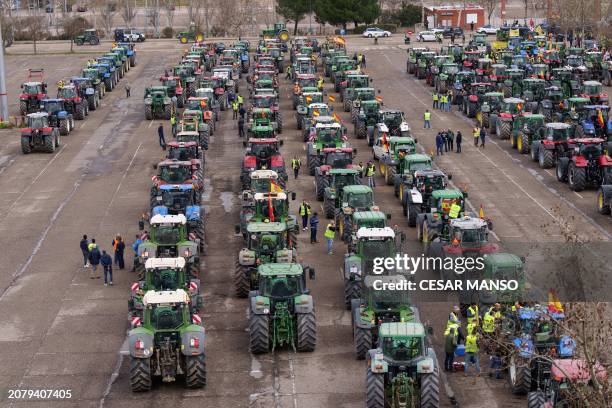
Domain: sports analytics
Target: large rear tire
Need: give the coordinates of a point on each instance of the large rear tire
(23, 108)
(535, 399)
(25, 145)
(602, 207)
(390, 175)
(259, 333)
(306, 331)
(242, 283)
(352, 290)
(63, 127)
(519, 377)
(79, 112)
(375, 390)
(576, 177)
(329, 209)
(430, 390)
(167, 111)
(505, 129)
(140, 374)
(195, 371)
(545, 158)
(362, 339)
(413, 211)
(50, 144)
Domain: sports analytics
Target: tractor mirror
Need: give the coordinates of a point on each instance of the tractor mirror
(490, 225)
(281, 142)
(21, 86)
(244, 143)
(237, 228)
(523, 259)
(388, 216)
(450, 176)
(416, 140)
(154, 166)
(344, 131)
(141, 225)
(196, 259)
(378, 91)
(355, 150)
(293, 196)
(430, 330)
(311, 273)
(402, 237)
(371, 79)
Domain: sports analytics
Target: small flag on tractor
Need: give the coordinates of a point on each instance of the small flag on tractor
(275, 188)
(379, 99)
(270, 208)
(332, 98)
(481, 213)
(554, 305)
(336, 117)
(308, 98)
(315, 113)
(600, 117)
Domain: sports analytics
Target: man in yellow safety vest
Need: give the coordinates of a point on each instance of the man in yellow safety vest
(330, 234)
(471, 353)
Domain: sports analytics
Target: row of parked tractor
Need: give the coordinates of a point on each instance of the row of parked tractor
(46, 118)
(546, 106)
(445, 228)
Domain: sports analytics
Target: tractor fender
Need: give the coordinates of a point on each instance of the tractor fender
(352, 267)
(192, 212)
(146, 337)
(303, 304)
(192, 333)
(420, 218)
(260, 305)
(359, 321)
(433, 223)
(246, 257)
(159, 210)
(414, 197)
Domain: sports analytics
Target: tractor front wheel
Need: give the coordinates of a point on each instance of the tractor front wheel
(314, 163)
(430, 390)
(602, 207)
(360, 130)
(535, 399)
(242, 282)
(140, 374)
(259, 333)
(362, 340)
(375, 390)
(485, 120)
(504, 130)
(23, 108)
(519, 377)
(306, 331)
(577, 177)
(352, 290)
(522, 143)
(148, 112)
(545, 158)
(195, 371)
(413, 211)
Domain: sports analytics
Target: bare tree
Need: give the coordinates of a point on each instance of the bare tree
(128, 11)
(489, 7)
(233, 15)
(107, 11)
(8, 22)
(201, 13)
(169, 7)
(526, 4)
(35, 28)
(73, 26)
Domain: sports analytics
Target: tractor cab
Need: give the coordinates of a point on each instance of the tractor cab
(393, 119)
(356, 198)
(470, 59)
(184, 151)
(594, 91)
(533, 92)
(597, 121)
(263, 181)
(174, 172)
(264, 101)
(176, 199)
(414, 162)
(337, 158)
(498, 73)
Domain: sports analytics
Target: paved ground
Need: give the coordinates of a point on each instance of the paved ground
(64, 330)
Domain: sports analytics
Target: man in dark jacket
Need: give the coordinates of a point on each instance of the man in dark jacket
(439, 144)
(314, 224)
(483, 135)
(450, 345)
(119, 247)
(458, 139)
(107, 264)
(85, 250)
(94, 260)
(160, 133)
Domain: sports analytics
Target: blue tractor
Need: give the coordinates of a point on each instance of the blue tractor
(87, 91)
(58, 115)
(109, 73)
(174, 199)
(595, 122)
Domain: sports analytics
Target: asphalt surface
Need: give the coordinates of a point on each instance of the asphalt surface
(62, 330)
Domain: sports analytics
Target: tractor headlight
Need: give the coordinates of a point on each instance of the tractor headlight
(145, 254)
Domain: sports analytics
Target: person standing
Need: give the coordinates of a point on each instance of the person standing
(330, 233)
(304, 213)
(450, 345)
(439, 144)
(127, 89)
(363, 61)
(427, 119)
(288, 72)
(235, 109)
(241, 111)
(452, 37)
(94, 260)
(119, 247)
(240, 101)
(472, 26)
(443, 100)
(92, 245)
(360, 170)
(471, 353)
(435, 98)
(295, 165)
(370, 173)
(459, 138)
(241, 126)
(174, 100)
(476, 134)
(84, 244)
(173, 124)
(483, 135)
(160, 134)
(450, 139)
(107, 264)
(314, 224)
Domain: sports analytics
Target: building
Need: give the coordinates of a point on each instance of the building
(456, 15)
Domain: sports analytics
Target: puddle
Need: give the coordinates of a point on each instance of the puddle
(227, 200)
(255, 368)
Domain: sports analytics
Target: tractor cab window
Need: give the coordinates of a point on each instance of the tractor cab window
(362, 200)
(338, 159)
(514, 108)
(262, 102)
(175, 174)
(404, 149)
(574, 61)
(532, 125)
(32, 88)
(377, 248)
(590, 151)
(369, 108)
(402, 349)
(450, 69)
(262, 151)
(182, 154)
(557, 134)
(177, 199)
(165, 279)
(266, 243)
(55, 106)
(445, 204)
(416, 166)
(169, 83)
(260, 185)
(388, 299)
(425, 183)
(278, 208)
(499, 70)
(66, 93)
(393, 119)
(38, 122)
(592, 89)
(319, 111)
(341, 180)
(167, 318)
(167, 234)
(470, 236)
(328, 135)
(281, 286)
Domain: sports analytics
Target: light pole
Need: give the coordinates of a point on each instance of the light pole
(310, 18)
(3, 99)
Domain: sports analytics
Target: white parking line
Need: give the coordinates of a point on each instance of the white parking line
(578, 195)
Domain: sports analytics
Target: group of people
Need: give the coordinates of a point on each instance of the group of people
(443, 100)
(360, 59)
(479, 133)
(306, 213)
(445, 141)
(93, 258)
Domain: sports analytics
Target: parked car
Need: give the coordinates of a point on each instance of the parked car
(487, 29)
(426, 36)
(376, 32)
(450, 30)
(128, 35)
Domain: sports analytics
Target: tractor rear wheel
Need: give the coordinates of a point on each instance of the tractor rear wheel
(314, 163)
(413, 211)
(167, 111)
(485, 120)
(545, 158)
(430, 390)
(504, 129)
(360, 129)
(562, 167)
(362, 341)
(602, 207)
(375, 390)
(322, 184)
(577, 178)
(390, 175)
(328, 209)
(180, 101)
(519, 376)
(535, 399)
(306, 331)
(140, 374)
(108, 83)
(132, 60)
(25, 145)
(352, 290)
(148, 112)
(522, 143)
(91, 101)
(279, 123)
(242, 283)
(195, 371)
(50, 144)
(347, 105)
(64, 127)
(79, 112)
(259, 333)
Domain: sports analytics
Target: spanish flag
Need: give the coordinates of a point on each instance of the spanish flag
(481, 213)
(519, 106)
(600, 118)
(270, 208)
(340, 40)
(315, 112)
(332, 98)
(336, 117)
(308, 98)
(275, 188)
(554, 305)
(379, 99)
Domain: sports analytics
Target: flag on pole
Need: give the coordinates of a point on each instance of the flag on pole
(554, 305)
(270, 208)
(481, 213)
(600, 117)
(332, 98)
(336, 117)
(379, 99)
(275, 188)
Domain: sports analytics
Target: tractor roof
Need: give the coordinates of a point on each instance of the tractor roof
(447, 193)
(502, 259)
(417, 158)
(180, 187)
(532, 116)
(342, 171)
(262, 128)
(174, 143)
(168, 219)
(558, 125)
(319, 105)
(468, 223)
(429, 173)
(32, 83)
(275, 269)
(401, 140)
(170, 162)
(204, 90)
(188, 133)
(333, 125)
(592, 107)
(165, 263)
(401, 329)
(264, 174)
(535, 80)
(369, 215)
(591, 83)
(164, 297)
(375, 233)
(514, 100)
(357, 189)
(265, 196)
(38, 115)
(53, 100)
(263, 141)
(494, 94)
(324, 119)
(587, 140)
(578, 99)
(266, 227)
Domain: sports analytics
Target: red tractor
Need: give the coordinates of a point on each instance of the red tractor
(587, 164)
(262, 154)
(188, 151)
(33, 90)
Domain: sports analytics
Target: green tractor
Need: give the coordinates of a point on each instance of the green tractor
(525, 130)
(361, 95)
(308, 114)
(352, 82)
(512, 84)
(168, 342)
(510, 109)
(89, 36)
(279, 32)
(424, 61)
(533, 92)
(404, 176)
(413, 57)
(97, 80)
(363, 219)
(368, 244)
(192, 34)
(307, 97)
(489, 109)
(416, 192)
(281, 311)
(158, 104)
(367, 118)
(167, 238)
(563, 78)
(445, 78)
(266, 116)
(402, 371)
(390, 159)
(326, 135)
(164, 274)
(266, 242)
(444, 205)
(551, 102)
(351, 199)
(330, 186)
